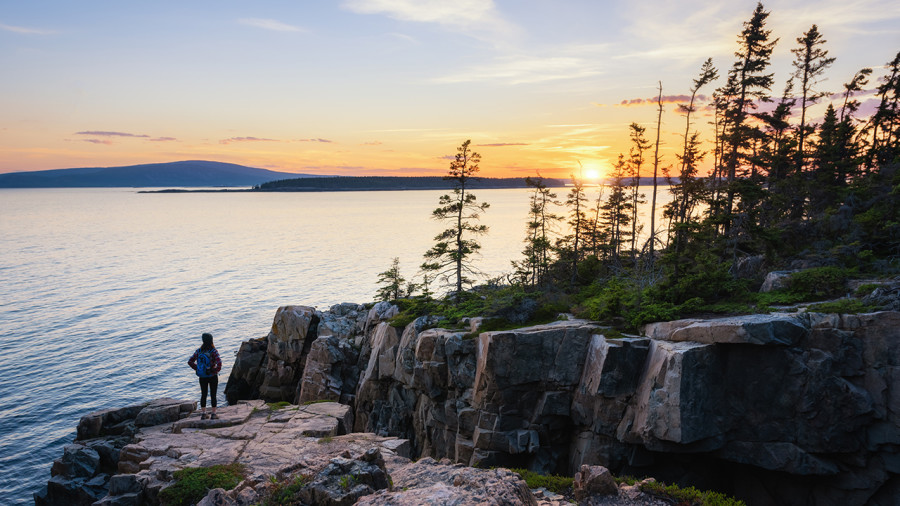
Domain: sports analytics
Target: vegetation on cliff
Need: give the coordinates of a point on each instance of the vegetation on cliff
(785, 190)
(193, 483)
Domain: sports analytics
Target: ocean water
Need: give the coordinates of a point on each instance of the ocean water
(104, 292)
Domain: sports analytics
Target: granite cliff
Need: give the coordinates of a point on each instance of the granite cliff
(797, 408)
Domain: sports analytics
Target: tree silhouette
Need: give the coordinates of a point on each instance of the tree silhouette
(450, 257)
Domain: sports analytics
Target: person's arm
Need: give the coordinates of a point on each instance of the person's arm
(217, 362)
(193, 361)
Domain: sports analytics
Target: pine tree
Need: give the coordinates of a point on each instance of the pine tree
(533, 269)
(390, 282)
(810, 63)
(689, 190)
(884, 126)
(777, 154)
(451, 255)
(572, 244)
(616, 212)
(748, 84)
(639, 145)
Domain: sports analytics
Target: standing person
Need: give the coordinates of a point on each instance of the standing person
(207, 363)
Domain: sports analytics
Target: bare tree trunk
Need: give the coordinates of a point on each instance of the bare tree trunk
(655, 167)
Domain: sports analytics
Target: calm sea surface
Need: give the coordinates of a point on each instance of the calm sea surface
(104, 292)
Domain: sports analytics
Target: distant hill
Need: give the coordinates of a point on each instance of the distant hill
(341, 183)
(181, 174)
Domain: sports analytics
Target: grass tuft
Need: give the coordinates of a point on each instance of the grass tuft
(193, 483)
(554, 483)
(285, 493)
(689, 495)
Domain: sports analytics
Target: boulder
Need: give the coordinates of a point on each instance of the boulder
(593, 481)
(344, 481)
(78, 461)
(776, 280)
(428, 481)
(380, 312)
(330, 372)
(293, 331)
(248, 371)
(97, 423)
(344, 321)
(163, 411)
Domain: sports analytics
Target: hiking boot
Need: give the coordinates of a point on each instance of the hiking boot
(213, 417)
(203, 416)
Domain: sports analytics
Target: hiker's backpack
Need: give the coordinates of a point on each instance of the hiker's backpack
(204, 364)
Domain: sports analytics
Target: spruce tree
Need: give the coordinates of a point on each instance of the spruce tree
(639, 145)
(533, 269)
(450, 257)
(390, 282)
(572, 244)
(810, 62)
(884, 126)
(616, 212)
(748, 84)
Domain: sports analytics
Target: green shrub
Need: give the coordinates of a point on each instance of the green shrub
(689, 495)
(275, 406)
(652, 312)
(193, 483)
(866, 289)
(842, 306)
(285, 493)
(626, 479)
(553, 483)
(818, 282)
(777, 297)
(401, 320)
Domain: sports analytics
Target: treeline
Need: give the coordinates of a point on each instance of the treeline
(347, 183)
(785, 190)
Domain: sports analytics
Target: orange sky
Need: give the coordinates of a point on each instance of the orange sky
(381, 87)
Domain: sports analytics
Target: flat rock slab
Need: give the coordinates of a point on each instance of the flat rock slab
(269, 443)
(760, 329)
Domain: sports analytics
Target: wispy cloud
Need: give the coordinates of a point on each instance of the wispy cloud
(246, 139)
(527, 69)
(163, 139)
(499, 144)
(25, 30)
(372, 143)
(97, 141)
(666, 99)
(479, 18)
(270, 24)
(105, 133)
(315, 140)
(404, 37)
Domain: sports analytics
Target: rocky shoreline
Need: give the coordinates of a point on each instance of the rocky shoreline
(794, 408)
(128, 456)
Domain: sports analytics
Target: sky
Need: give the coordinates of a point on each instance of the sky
(383, 87)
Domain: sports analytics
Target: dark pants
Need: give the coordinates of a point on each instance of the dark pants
(210, 383)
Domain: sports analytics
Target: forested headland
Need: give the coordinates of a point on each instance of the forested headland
(783, 190)
(366, 183)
